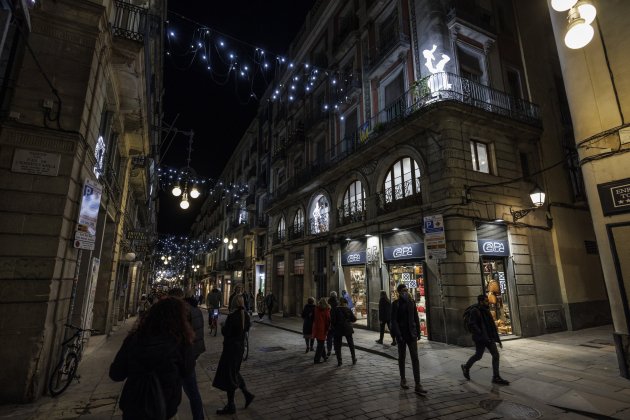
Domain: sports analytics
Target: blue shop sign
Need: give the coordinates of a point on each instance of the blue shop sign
(353, 258)
(493, 247)
(404, 252)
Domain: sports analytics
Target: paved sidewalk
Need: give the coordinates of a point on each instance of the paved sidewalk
(564, 375)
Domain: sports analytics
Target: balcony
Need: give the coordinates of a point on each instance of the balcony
(129, 21)
(399, 197)
(439, 87)
(259, 225)
(296, 232)
(352, 213)
(278, 237)
(389, 49)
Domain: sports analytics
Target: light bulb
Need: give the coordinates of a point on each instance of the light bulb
(230, 247)
(562, 5)
(235, 240)
(177, 191)
(579, 34)
(184, 204)
(194, 192)
(587, 11)
(225, 240)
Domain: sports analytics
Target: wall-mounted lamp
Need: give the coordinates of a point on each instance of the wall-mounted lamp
(537, 196)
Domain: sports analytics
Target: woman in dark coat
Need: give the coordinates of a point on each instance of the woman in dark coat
(341, 321)
(307, 325)
(384, 316)
(228, 376)
(153, 359)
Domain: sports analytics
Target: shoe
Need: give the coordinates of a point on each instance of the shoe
(419, 390)
(354, 360)
(379, 341)
(403, 384)
(328, 354)
(394, 343)
(500, 381)
(466, 372)
(226, 410)
(306, 350)
(249, 397)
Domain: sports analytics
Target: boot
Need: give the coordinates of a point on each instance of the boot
(403, 383)
(500, 381)
(249, 397)
(466, 372)
(228, 409)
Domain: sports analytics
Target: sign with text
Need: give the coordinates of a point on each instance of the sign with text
(136, 235)
(496, 247)
(353, 258)
(434, 236)
(615, 196)
(90, 204)
(403, 252)
(35, 162)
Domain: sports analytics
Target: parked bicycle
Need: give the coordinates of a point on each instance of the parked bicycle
(214, 322)
(66, 369)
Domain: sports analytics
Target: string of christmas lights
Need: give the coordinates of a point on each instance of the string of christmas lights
(170, 177)
(226, 58)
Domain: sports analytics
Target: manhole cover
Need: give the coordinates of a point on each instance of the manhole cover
(270, 349)
(510, 409)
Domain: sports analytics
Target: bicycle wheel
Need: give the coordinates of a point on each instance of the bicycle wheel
(213, 328)
(246, 347)
(63, 374)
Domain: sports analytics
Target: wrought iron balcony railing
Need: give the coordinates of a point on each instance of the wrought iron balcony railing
(319, 225)
(278, 237)
(351, 213)
(400, 196)
(129, 21)
(296, 232)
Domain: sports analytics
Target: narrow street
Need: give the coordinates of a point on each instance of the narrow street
(564, 375)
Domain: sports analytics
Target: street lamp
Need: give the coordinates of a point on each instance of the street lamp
(177, 190)
(230, 242)
(184, 204)
(581, 14)
(537, 195)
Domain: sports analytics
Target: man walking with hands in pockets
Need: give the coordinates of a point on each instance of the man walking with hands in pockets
(406, 328)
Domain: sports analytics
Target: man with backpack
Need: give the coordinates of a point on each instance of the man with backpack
(478, 320)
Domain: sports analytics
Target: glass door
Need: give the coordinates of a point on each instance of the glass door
(412, 275)
(495, 286)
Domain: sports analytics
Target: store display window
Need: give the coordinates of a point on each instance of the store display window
(412, 275)
(495, 286)
(356, 285)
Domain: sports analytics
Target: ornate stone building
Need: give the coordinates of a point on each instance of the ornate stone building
(81, 85)
(402, 145)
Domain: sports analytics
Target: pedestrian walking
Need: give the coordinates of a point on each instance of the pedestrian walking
(228, 376)
(345, 295)
(270, 302)
(238, 291)
(154, 359)
(384, 316)
(341, 320)
(143, 306)
(321, 325)
(333, 302)
(485, 335)
(213, 301)
(307, 325)
(405, 325)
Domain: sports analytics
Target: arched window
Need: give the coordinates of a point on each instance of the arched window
(403, 180)
(319, 212)
(298, 220)
(353, 209)
(280, 232)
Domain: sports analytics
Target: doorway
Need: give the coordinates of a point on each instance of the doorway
(495, 286)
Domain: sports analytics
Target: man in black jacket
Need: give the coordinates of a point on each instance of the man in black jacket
(485, 335)
(406, 328)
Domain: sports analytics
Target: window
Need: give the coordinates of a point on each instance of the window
(354, 202)
(403, 180)
(319, 215)
(281, 228)
(481, 152)
(298, 220)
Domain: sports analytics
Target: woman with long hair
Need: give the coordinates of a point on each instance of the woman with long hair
(154, 358)
(321, 325)
(307, 325)
(228, 377)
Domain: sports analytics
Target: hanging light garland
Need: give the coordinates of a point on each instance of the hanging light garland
(226, 58)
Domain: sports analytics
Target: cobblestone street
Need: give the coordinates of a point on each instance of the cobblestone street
(554, 376)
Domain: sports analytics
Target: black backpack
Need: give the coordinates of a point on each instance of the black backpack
(466, 316)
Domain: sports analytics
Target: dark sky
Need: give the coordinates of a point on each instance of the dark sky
(216, 113)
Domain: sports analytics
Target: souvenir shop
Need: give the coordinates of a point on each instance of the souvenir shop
(353, 260)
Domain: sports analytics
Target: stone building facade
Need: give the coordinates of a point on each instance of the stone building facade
(411, 160)
(81, 83)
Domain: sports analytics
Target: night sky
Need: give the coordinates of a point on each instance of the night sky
(218, 114)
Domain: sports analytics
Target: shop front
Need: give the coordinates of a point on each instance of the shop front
(494, 250)
(278, 284)
(353, 260)
(403, 252)
(296, 286)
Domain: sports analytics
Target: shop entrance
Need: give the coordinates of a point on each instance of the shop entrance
(495, 286)
(412, 275)
(356, 286)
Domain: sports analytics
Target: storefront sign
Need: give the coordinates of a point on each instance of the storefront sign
(404, 252)
(615, 196)
(353, 258)
(495, 247)
(34, 162)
